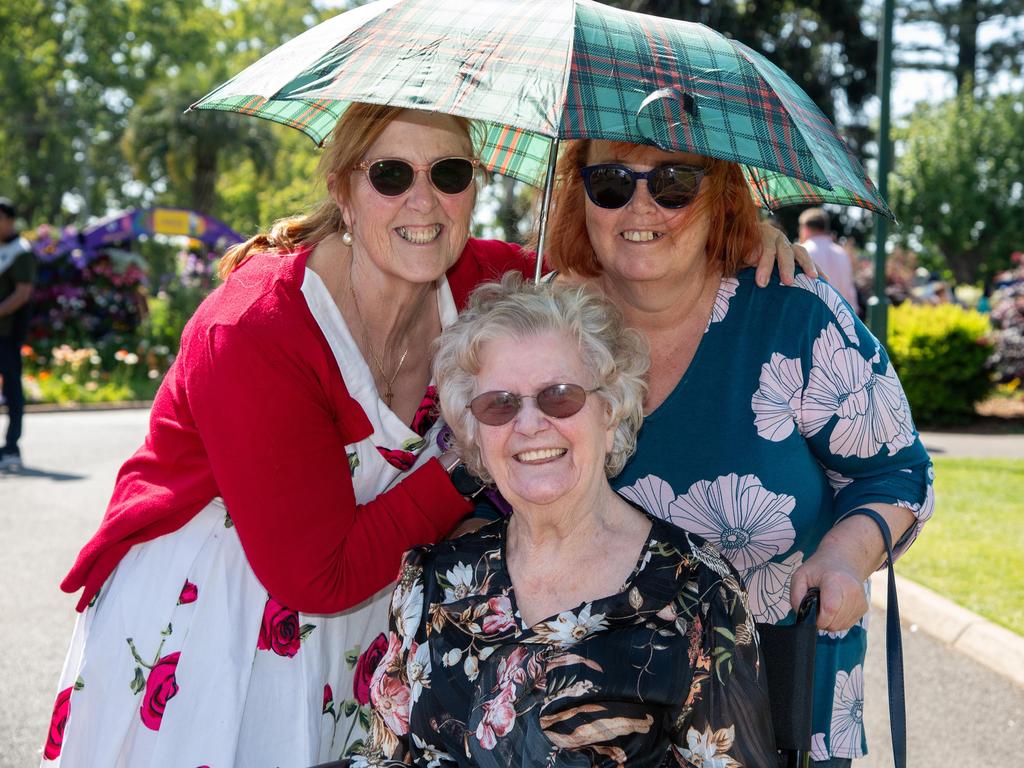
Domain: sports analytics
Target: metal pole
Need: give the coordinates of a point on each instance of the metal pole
(878, 304)
(549, 182)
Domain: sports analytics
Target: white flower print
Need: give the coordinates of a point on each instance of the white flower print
(745, 521)
(726, 290)
(819, 752)
(830, 296)
(417, 668)
(569, 628)
(430, 753)
(848, 713)
(836, 480)
(872, 409)
(768, 588)
(651, 493)
(409, 605)
(776, 403)
(461, 580)
(711, 748)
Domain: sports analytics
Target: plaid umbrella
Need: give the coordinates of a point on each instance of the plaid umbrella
(536, 71)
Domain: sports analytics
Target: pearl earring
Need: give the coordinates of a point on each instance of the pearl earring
(346, 238)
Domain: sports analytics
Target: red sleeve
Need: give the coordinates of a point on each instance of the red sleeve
(485, 260)
(275, 417)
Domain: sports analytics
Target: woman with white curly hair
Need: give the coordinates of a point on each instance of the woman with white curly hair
(579, 630)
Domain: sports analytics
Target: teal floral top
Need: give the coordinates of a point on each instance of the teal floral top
(789, 416)
(666, 672)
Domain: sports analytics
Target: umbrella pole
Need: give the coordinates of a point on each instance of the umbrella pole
(549, 182)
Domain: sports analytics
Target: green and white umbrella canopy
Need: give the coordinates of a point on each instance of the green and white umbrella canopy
(536, 71)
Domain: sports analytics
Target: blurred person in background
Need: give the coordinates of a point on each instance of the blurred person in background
(17, 275)
(816, 237)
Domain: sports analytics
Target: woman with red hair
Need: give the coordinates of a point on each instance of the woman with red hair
(771, 414)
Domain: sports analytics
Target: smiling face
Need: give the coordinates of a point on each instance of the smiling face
(416, 236)
(536, 459)
(642, 241)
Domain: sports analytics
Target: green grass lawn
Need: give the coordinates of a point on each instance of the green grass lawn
(972, 550)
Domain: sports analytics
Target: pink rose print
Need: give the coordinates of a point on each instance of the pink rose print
(328, 699)
(397, 458)
(500, 617)
(161, 687)
(59, 719)
(280, 631)
(391, 701)
(511, 669)
(366, 666)
(499, 717)
(427, 413)
(189, 593)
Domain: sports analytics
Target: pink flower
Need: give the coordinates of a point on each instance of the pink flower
(377, 680)
(499, 718)
(328, 698)
(399, 459)
(391, 701)
(280, 631)
(367, 664)
(500, 617)
(511, 669)
(59, 719)
(161, 687)
(427, 413)
(189, 593)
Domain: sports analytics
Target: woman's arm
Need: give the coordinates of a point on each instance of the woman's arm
(275, 419)
(848, 554)
(726, 719)
(776, 249)
(857, 423)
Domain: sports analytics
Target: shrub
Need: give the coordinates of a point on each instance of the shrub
(940, 353)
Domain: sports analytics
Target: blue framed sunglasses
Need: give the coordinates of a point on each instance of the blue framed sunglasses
(610, 185)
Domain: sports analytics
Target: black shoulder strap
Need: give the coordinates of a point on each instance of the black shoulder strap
(893, 648)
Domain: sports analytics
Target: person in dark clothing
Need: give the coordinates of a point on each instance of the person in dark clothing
(17, 275)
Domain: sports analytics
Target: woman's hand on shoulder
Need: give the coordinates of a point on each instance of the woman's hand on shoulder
(777, 249)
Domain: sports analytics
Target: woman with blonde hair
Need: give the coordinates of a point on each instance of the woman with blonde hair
(233, 600)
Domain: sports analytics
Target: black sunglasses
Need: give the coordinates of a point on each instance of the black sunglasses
(392, 177)
(610, 185)
(559, 401)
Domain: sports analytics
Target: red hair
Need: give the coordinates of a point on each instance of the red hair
(733, 231)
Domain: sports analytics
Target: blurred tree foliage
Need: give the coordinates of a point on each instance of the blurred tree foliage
(959, 50)
(90, 111)
(958, 182)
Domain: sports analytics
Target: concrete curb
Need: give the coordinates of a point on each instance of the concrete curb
(122, 405)
(995, 647)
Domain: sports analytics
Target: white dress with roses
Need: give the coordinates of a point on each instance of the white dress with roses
(183, 660)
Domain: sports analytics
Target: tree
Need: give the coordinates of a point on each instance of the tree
(71, 71)
(958, 183)
(182, 153)
(960, 52)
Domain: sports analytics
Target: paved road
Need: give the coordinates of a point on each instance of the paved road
(960, 712)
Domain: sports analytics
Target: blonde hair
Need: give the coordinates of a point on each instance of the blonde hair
(352, 136)
(615, 355)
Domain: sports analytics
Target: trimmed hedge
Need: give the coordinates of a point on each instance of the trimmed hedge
(940, 353)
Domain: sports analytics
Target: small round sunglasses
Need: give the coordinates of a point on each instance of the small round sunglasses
(559, 401)
(392, 177)
(610, 185)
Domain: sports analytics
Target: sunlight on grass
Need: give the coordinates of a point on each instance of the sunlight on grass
(972, 550)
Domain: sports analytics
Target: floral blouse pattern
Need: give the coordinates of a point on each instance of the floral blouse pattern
(666, 672)
(789, 416)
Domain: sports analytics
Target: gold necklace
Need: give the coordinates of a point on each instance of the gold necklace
(389, 392)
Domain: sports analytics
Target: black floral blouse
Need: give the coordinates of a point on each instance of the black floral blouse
(666, 672)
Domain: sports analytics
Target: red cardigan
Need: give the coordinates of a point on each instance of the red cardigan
(254, 410)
